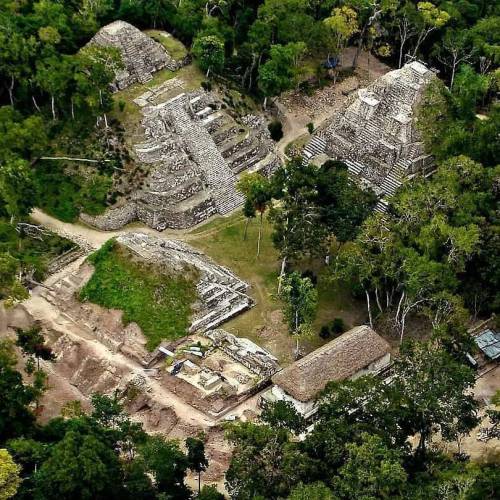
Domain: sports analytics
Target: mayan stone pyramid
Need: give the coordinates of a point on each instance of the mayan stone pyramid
(141, 55)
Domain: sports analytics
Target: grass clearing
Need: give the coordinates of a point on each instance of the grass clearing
(159, 303)
(222, 239)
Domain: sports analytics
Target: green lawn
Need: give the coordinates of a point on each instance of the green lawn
(222, 239)
(174, 47)
(159, 303)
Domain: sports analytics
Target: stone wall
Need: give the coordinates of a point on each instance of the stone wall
(113, 218)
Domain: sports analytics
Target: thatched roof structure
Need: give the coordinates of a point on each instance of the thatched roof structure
(340, 359)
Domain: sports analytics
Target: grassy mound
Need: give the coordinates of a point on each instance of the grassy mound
(159, 303)
(174, 47)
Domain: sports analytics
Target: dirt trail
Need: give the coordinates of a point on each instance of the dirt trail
(94, 238)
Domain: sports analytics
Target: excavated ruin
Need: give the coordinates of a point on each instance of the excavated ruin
(221, 294)
(192, 152)
(375, 135)
(141, 55)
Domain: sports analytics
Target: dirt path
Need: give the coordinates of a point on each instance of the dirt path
(92, 239)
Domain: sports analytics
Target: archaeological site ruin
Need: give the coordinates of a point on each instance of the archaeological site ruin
(375, 134)
(192, 151)
(208, 368)
(141, 55)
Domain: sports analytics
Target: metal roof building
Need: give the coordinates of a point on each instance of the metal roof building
(489, 343)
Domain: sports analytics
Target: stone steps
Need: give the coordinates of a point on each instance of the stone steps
(315, 147)
(204, 151)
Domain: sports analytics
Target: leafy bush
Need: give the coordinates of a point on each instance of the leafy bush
(337, 326)
(325, 333)
(65, 196)
(276, 130)
(310, 127)
(310, 274)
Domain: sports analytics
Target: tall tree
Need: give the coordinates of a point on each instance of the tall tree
(431, 19)
(9, 475)
(257, 191)
(280, 72)
(168, 465)
(209, 52)
(197, 461)
(81, 466)
(371, 470)
(16, 415)
(16, 188)
(301, 301)
(32, 343)
(342, 25)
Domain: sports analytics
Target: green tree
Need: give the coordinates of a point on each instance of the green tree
(431, 19)
(265, 464)
(53, 76)
(343, 204)
(283, 415)
(456, 49)
(210, 493)
(281, 71)
(197, 461)
(94, 71)
(371, 471)
(301, 302)
(11, 287)
(257, 191)
(81, 466)
(16, 51)
(16, 416)
(209, 52)
(16, 188)
(341, 26)
(298, 229)
(434, 392)
(318, 491)
(168, 466)
(9, 475)
(32, 343)
(19, 136)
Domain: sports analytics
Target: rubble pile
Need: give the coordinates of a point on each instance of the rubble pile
(244, 351)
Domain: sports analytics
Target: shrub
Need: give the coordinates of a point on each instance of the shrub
(276, 130)
(309, 274)
(206, 85)
(324, 332)
(310, 127)
(337, 326)
(121, 105)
